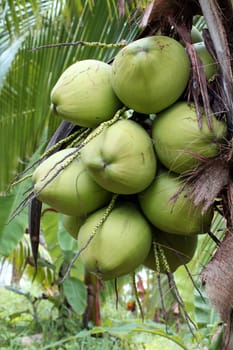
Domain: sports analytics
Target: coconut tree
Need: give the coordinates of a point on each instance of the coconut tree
(28, 75)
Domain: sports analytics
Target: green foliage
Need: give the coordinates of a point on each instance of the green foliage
(76, 294)
(67, 243)
(205, 315)
(12, 227)
(49, 227)
(17, 322)
(10, 232)
(7, 58)
(22, 265)
(123, 330)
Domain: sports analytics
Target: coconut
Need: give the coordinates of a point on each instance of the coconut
(151, 73)
(121, 159)
(178, 140)
(83, 94)
(173, 215)
(210, 66)
(119, 246)
(72, 191)
(169, 251)
(72, 224)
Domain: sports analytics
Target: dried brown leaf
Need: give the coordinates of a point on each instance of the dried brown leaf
(207, 182)
(218, 280)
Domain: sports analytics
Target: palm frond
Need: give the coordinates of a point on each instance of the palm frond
(21, 268)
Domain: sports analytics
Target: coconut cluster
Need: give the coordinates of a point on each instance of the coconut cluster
(121, 189)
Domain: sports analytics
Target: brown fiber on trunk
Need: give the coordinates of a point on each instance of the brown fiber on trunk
(218, 280)
(207, 182)
(92, 314)
(218, 273)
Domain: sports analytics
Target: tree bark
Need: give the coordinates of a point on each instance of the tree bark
(216, 12)
(218, 273)
(92, 313)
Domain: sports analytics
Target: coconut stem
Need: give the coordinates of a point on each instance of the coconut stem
(165, 315)
(103, 125)
(136, 296)
(155, 251)
(47, 153)
(21, 206)
(60, 143)
(81, 137)
(178, 298)
(116, 293)
(64, 162)
(163, 257)
(17, 182)
(83, 43)
(159, 253)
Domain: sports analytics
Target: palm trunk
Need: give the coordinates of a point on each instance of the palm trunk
(218, 274)
(219, 29)
(92, 312)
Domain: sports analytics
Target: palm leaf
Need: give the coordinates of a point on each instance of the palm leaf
(12, 230)
(44, 275)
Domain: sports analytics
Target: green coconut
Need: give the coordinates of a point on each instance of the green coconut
(72, 224)
(179, 141)
(121, 159)
(177, 216)
(83, 94)
(210, 66)
(151, 73)
(169, 251)
(73, 191)
(119, 246)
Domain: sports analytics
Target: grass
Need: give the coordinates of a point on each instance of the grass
(19, 326)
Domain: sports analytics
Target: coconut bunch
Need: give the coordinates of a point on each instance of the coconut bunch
(120, 185)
